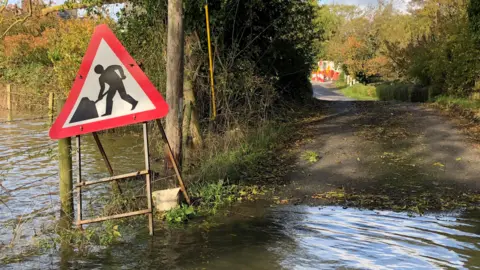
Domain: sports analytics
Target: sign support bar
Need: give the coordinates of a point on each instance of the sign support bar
(147, 178)
(174, 162)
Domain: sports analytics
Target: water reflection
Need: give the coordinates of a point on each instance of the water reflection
(298, 237)
(334, 237)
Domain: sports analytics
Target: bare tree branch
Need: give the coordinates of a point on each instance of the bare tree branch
(68, 6)
(19, 20)
(49, 10)
(3, 5)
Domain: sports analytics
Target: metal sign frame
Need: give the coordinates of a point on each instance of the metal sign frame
(147, 172)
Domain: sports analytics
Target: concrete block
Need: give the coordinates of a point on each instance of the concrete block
(166, 199)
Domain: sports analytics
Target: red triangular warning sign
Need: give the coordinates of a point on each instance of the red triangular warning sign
(110, 90)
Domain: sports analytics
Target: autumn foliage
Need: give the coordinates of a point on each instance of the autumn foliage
(45, 52)
(430, 44)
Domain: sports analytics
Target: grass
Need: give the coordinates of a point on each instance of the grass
(340, 84)
(232, 167)
(239, 156)
(386, 91)
(464, 103)
(310, 156)
(360, 92)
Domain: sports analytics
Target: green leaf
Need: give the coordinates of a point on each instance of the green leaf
(189, 210)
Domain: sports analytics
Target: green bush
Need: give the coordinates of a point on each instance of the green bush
(180, 214)
(398, 92)
(401, 92)
(464, 103)
(434, 91)
(360, 92)
(385, 92)
(419, 93)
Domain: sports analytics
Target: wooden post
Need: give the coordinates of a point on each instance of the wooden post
(147, 178)
(187, 118)
(174, 87)
(210, 61)
(50, 106)
(115, 186)
(174, 162)
(65, 171)
(79, 180)
(9, 102)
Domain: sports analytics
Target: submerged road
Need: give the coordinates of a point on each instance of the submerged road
(327, 91)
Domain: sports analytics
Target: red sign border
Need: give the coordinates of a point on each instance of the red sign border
(57, 130)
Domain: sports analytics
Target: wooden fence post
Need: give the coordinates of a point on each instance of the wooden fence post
(50, 106)
(65, 172)
(9, 97)
(9, 102)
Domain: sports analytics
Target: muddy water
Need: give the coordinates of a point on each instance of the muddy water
(252, 236)
(296, 237)
(29, 174)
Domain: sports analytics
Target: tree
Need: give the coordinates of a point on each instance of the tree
(174, 86)
(474, 18)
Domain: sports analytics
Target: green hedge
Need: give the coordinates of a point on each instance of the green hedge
(402, 92)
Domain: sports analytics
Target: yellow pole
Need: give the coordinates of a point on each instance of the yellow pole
(214, 106)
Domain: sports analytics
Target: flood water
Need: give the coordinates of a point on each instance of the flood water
(251, 236)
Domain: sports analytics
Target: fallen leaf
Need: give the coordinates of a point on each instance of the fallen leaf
(438, 164)
(458, 159)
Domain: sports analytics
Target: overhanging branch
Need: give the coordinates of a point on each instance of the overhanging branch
(49, 10)
(19, 20)
(3, 5)
(68, 6)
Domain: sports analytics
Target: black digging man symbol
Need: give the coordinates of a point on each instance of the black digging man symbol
(86, 109)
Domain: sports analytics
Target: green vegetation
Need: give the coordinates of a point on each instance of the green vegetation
(211, 199)
(465, 103)
(180, 214)
(360, 92)
(240, 154)
(233, 168)
(310, 156)
(386, 92)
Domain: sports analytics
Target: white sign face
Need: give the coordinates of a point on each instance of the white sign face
(109, 91)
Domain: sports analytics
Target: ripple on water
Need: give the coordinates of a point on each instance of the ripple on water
(334, 237)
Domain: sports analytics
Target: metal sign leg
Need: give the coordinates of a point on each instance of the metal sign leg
(174, 162)
(115, 185)
(79, 180)
(147, 178)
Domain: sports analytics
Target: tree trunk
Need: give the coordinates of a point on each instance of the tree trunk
(175, 77)
(192, 67)
(194, 125)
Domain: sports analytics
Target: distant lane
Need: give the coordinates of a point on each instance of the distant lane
(327, 91)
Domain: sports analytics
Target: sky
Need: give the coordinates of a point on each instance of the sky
(400, 4)
(113, 9)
